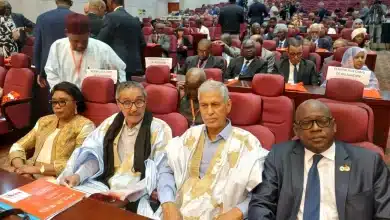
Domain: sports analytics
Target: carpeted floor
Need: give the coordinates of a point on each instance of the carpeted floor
(382, 72)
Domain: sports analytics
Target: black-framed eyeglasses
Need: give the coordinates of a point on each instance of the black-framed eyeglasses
(322, 122)
(128, 104)
(61, 103)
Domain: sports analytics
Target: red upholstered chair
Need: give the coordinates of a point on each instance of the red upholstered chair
(216, 49)
(214, 74)
(208, 23)
(269, 45)
(146, 20)
(158, 75)
(192, 23)
(147, 31)
(326, 66)
(307, 23)
(349, 24)
(191, 40)
(258, 49)
(278, 110)
(16, 114)
(162, 101)
(147, 24)
(2, 61)
(246, 114)
(169, 31)
(339, 53)
(354, 119)
(236, 43)
(278, 55)
(100, 102)
(186, 31)
(307, 54)
(334, 36)
(346, 33)
(292, 32)
(29, 47)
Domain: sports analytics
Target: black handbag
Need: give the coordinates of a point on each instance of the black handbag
(11, 212)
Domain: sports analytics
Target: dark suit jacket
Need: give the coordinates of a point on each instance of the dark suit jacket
(212, 62)
(362, 193)
(123, 33)
(230, 18)
(306, 72)
(96, 24)
(285, 44)
(257, 12)
(21, 21)
(49, 28)
(235, 66)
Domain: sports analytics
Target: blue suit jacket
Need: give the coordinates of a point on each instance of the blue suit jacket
(49, 28)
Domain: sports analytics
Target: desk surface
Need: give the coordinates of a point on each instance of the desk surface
(86, 209)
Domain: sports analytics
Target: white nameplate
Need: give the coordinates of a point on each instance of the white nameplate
(362, 76)
(149, 61)
(112, 74)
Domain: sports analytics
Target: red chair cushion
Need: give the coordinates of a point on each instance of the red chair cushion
(216, 49)
(104, 93)
(97, 112)
(176, 121)
(3, 73)
(158, 74)
(20, 60)
(214, 74)
(269, 45)
(147, 30)
(161, 99)
(270, 85)
(338, 55)
(246, 108)
(344, 90)
(263, 134)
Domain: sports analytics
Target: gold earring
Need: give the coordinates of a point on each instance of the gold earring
(75, 111)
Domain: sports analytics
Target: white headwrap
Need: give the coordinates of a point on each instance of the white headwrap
(358, 31)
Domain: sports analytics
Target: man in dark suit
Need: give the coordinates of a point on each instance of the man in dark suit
(50, 27)
(22, 23)
(123, 33)
(317, 177)
(257, 12)
(294, 68)
(96, 11)
(204, 59)
(230, 18)
(281, 33)
(247, 65)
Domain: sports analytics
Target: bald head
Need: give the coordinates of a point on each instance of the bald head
(194, 78)
(310, 106)
(339, 43)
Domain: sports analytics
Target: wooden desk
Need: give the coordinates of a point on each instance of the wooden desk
(86, 209)
(381, 108)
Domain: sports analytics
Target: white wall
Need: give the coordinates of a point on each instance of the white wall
(192, 4)
(33, 8)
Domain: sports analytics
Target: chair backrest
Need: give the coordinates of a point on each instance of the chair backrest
(258, 49)
(292, 32)
(269, 45)
(346, 33)
(169, 31)
(216, 49)
(236, 43)
(339, 53)
(278, 110)
(100, 102)
(162, 101)
(19, 79)
(349, 24)
(208, 23)
(158, 75)
(246, 114)
(331, 63)
(278, 55)
(3, 73)
(28, 47)
(147, 31)
(214, 74)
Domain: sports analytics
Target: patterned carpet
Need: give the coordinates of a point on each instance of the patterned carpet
(382, 72)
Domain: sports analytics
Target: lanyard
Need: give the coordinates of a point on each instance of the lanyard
(203, 64)
(193, 112)
(77, 66)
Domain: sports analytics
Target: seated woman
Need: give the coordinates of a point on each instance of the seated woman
(355, 58)
(357, 23)
(183, 45)
(122, 153)
(359, 37)
(54, 137)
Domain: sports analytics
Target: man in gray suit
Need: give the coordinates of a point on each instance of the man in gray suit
(265, 54)
(159, 37)
(294, 68)
(229, 51)
(317, 177)
(204, 59)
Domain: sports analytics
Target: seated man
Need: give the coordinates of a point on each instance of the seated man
(336, 45)
(246, 66)
(113, 156)
(294, 68)
(269, 34)
(64, 64)
(209, 171)
(229, 51)
(281, 32)
(189, 105)
(204, 59)
(159, 37)
(314, 37)
(265, 54)
(255, 29)
(318, 177)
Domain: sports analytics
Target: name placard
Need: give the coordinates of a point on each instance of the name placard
(112, 74)
(362, 76)
(149, 61)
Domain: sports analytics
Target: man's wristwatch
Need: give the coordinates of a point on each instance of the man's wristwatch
(42, 170)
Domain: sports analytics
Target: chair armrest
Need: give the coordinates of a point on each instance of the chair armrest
(9, 104)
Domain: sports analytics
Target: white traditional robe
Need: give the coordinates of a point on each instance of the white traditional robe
(124, 179)
(234, 171)
(60, 65)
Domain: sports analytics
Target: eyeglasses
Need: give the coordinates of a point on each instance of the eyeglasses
(299, 54)
(322, 122)
(61, 103)
(128, 104)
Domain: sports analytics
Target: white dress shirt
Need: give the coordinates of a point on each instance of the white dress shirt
(205, 30)
(281, 43)
(291, 74)
(326, 171)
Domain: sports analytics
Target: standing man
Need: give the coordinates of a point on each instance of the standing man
(50, 27)
(97, 9)
(376, 16)
(317, 177)
(123, 33)
(257, 12)
(230, 18)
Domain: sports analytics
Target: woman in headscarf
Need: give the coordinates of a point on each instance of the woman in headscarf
(357, 23)
(358, 36)
(355, 58)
